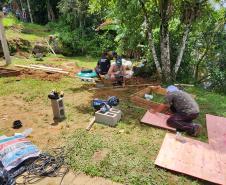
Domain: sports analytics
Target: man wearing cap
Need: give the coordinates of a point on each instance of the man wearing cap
(185, 110)
(117, 71)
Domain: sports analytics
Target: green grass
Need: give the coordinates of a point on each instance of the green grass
(131, 147)
(210, 103)
(158, 98)
(127, 159)
(85, 62)
(131, 153)
(10, 21)
(27, 31)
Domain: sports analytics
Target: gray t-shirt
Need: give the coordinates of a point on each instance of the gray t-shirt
(182, 102)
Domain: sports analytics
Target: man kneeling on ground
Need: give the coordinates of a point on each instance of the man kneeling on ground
(117, 71)
(185, 110)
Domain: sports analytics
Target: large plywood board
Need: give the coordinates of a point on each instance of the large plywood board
(192, 158)
(157, 120)
(216, 128)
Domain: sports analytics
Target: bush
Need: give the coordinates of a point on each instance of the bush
(217, 78)
(82, 41)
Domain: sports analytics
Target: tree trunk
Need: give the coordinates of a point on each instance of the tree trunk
(165, 6)
(165, 54)
(4, 42)
(152, 47)
(29, 10)
(21, 4)
(196, 72)
(182, 49)
(51, 15)
(150, 40)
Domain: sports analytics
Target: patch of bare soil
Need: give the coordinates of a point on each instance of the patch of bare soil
(38, 115)
(22, 54)
(41, 75)
(100, 155)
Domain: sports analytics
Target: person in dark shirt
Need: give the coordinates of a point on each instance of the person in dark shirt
(185, 110)
(103, 65)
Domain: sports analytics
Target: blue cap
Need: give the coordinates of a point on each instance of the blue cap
(172, 88)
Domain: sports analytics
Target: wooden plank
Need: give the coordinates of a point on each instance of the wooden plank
(50, 47)
(46, 67)
(185, 85)
(42, 69)
(216, 129)
(138, 97)
(157, 120)
(192, 158)
(91, 123)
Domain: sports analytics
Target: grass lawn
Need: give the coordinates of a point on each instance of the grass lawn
(27, 31)
(124, 154)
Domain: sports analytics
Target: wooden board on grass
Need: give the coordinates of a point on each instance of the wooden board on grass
(157, 120)
(192, 158)
(139, 100)
(216, 128)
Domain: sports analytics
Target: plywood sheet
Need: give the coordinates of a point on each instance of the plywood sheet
(192, 157)
(216, 128)
(157, 120)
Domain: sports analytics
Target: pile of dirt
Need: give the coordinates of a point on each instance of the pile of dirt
(21, 54)
(41, 75)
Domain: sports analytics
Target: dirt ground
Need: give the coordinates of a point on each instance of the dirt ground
(24, 73)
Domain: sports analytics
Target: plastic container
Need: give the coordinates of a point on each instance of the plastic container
(148, 96)
(90, 74)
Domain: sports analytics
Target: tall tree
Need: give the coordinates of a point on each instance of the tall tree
(29, 10)
(158, 15)
(51, 15)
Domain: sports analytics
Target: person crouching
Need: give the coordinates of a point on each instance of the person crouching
(185, 109)
(117, 72)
